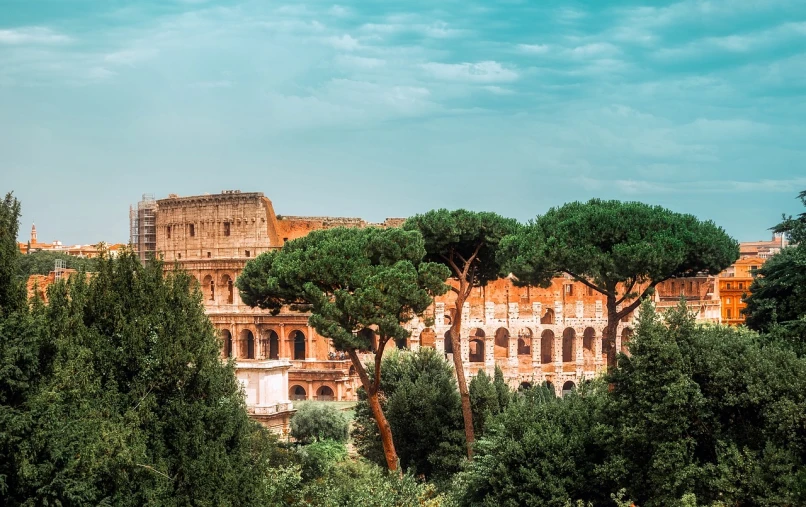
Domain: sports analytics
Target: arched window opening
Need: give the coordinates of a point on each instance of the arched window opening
(298, 339)
(226, 337)
(548, 317)
(297, 393)
(226, 282)
(588, 338)
(549, 388)
(525, 386)
(524, 347)
(448, 343)
(569, 345)
(547, 347)
(502, 342)
(208, 288)
(270, 345)
(248, 344)
(325, 393)
(476, 351)
(568, 387)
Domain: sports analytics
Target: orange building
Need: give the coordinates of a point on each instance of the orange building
(734, 285)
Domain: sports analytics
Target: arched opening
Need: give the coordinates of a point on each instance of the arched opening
(247, 344)
(351, 371)
(226, 337)
(626, 336)
(525, 386)
(325, 393)
(502, 342)
(549, 387)
(298, 339)
(569, 345)
(448, 343)
(270, 345)
(548, 317)
(588, 340)
(568, 387)
(208, 288)
(297, 393)
(369, 340)
(226, 282)
(428, 338)
(547, 346)
(476, 350)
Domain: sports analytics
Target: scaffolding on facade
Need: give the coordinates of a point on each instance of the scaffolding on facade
(143, 227)
(58, 269)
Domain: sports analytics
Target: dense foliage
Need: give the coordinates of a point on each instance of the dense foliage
(704, 412)
(422, 405)
(488, 398)
(42, 263)
(114, 393)
(316, 421)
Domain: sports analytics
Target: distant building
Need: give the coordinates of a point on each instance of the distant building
(87, 251)
(734, 286)
(762, 249)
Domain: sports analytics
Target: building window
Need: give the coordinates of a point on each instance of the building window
(741, 285)
(728, 286)
(590, 291)
(192, 230)
(209, 254)
(285, 240)
(729, 313)
(727, 301)
(247, 253)
(168, 230)
(179, 256)
(569, 290)
(226, 228)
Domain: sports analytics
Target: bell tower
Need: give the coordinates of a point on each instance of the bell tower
(33, 234)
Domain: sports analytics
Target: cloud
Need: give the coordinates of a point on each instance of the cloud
(406, 24)
(481, 72)
(338, 11)
(345, 42)
(498, 90)
(533, 49)
(32, 35)
(212, 85)
(359, 62)
(129, 57)
(594, 50)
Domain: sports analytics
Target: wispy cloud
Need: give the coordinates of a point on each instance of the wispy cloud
(32, 35)
(481, 72)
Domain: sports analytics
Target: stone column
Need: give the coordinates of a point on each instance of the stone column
(580, 355)
(311, 393)
(465, 349)
(282, 344)
(489, 352)
(558, 351)
(310, 355)
(536, 346)
(512, 360)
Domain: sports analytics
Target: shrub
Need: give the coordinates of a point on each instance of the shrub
(318, 421)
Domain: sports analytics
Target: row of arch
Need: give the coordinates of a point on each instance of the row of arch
(568, 386)
(246, 347)
(477, 337)
(222, 290)
(298, 393)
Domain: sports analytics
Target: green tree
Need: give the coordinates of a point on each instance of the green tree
(133, 405)
(423, 408)
(488, 398)
(541, 450)
(355, 283)
(42, 263)
(11, 289)
(794, 227)
(619, 249)
(467, 243)
(318, 421)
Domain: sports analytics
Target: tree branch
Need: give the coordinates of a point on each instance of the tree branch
(362, 372)
(452, 264)
(627, 292)
(632, 306)
(378, 357)
(472, 259)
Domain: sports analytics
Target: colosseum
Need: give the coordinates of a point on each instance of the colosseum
(534, 335)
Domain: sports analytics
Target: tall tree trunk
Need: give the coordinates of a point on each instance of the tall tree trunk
(384, 429)
(464, 393)
(609, 335)
(371, 389)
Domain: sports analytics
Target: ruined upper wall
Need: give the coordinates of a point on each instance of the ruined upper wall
(231, 224)
(293, 227)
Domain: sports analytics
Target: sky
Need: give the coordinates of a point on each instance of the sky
(387, 109)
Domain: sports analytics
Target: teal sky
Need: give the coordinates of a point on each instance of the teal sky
(377, 109)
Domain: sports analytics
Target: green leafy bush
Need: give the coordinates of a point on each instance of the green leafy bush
(316, 421)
